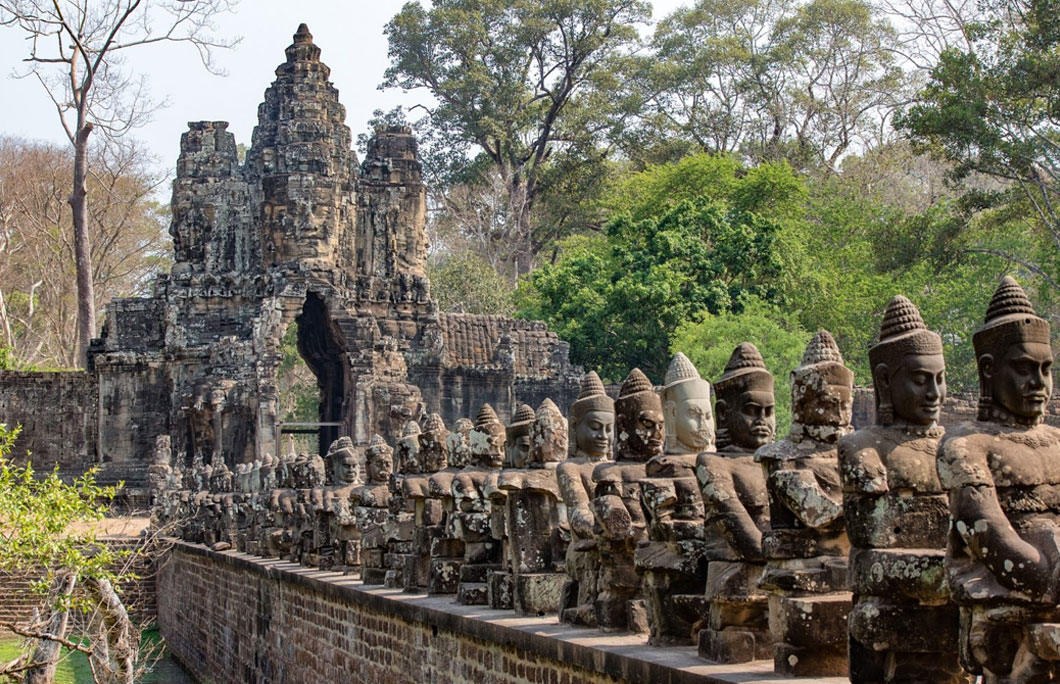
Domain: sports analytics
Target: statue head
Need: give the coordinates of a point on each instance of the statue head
(908, 369)
(548, 435)
(639, 426)
(408, 449)
(433, 444)
(458, 443)
(518, 437)
(380, 460)
(822, 388)
(343, 462)
(487, 439)
(745, 401)
(162, 451)
(686, 407)
(592, 420)
(1014, 357)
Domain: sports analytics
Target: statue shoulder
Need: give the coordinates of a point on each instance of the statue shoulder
(962, 455)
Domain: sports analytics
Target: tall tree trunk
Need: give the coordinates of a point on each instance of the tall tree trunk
(86, 301)
(46, 654)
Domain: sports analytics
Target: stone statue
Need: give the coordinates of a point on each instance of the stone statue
(158, 473)
(427, 518)
(517, 456)
(591, 426)
(620, 521)
(1002, 474)
(902, 628)
(686, 406)
(482, 552)
(371, 508)
(806, 547)
(341, 537)
(736, 509)
(401, 525)
(534, 513)
(447, 551)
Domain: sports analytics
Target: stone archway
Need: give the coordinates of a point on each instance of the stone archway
(320, 347)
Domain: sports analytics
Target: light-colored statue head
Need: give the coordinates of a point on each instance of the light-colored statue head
(487, 439)
(458, 443)
(408, 449)
(822, 388)
(687, 409)
(908, 369)
(380, 460)
(640, 429)
(518, 437)
(343, 462)
(548, 435)
(1015, 358)
(433, 439)
(592, 420)
(745, 402)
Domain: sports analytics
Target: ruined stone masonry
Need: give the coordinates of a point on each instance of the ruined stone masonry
(299, 231)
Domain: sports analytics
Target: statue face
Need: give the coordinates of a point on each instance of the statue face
(593, 434)
(380, 466)
(645, 433)
(409, 453)
(346, 469)
(520, 451)
(752, 423)
(823, 404)
(487, 445)
(434, 457)
(694, 423)
(1022, 379)
(918, 388)
(549, 439)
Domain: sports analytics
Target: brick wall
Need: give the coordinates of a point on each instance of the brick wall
(229, 617)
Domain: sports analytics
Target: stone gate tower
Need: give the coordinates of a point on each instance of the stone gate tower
(301, 231)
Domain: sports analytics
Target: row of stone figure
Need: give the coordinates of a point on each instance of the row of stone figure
(897, 553)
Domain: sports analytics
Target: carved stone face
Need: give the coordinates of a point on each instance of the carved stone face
(643, 432)
(593, 434)
(822, 403)
(408, 450)
(917, 388)
(519, 451)
(694, 422)
(487, 445)
(751, 422)
(1021, 381)
(432, 453)
(345, 467)
(380, 465)
(548, 438)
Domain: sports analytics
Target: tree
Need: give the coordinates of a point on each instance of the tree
(774, 79)
(465, 283)
(47, 531)
(521, 87)
(993, 108)
(127, 236)
(619, 298)
(76, 53)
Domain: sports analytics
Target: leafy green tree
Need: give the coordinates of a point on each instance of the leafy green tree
(709, 341)
(466, 283)
(619, 298)
(528, 86)
(992, 108)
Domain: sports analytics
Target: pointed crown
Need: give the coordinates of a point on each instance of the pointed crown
(591, 398)
(822, 358)
(1010, 319)
(902, 332)
(302, 47)
(746, 370)
(635, 383)
(521, 421)
(434, 425)
(681, 369)
(378, 445)
(486, 416)
(411, 428)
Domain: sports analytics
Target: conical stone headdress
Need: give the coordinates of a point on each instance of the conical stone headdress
(902, 332)
(436, 426)
(1010, 319)
(822, 361)
(636, 389)
(521, 421)
(746, 370)
(486, 416)
(591, 398)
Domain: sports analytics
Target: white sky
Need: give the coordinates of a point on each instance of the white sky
(349, 33)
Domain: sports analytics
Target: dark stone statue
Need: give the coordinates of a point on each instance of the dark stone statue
(1002, 474)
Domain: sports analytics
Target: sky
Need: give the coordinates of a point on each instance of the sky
(349, 33)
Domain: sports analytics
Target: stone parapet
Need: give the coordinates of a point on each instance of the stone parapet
(232, 617)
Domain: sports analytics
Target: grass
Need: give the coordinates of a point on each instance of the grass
(73, 667)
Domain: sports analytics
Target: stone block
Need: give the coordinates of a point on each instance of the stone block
(538, 594)
(500, 586)
(473, 594)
